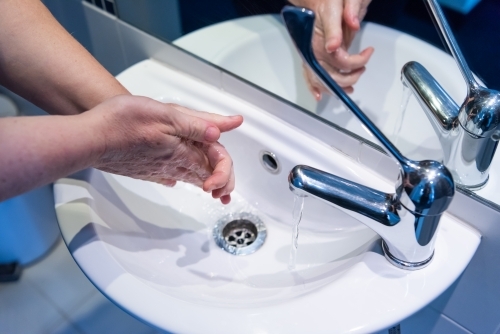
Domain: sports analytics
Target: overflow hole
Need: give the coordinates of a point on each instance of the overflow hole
(270, 162)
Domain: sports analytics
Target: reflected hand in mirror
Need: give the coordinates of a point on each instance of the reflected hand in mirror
(165, 143)
(337, 22)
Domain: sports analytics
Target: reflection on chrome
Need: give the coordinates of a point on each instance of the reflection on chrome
(469, 133)
(407, 219)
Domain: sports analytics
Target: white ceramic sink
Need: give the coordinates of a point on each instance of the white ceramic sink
(150, 249)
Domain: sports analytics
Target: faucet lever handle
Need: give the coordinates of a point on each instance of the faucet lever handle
(300, 25)
(447, 36)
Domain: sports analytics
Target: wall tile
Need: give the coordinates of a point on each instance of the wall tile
(138, 45)
(105, 39)
(158, 18)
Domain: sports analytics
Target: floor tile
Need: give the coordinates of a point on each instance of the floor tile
(99, 315)
(430, 322)
(65, 327)
(23, 309)
(60, 279)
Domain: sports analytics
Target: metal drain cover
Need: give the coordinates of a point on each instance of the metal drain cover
(240, 233)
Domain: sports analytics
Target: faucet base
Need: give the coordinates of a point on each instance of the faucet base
(404, 264)
(473, 187)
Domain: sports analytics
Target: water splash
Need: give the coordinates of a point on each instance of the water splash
(401, 115)
(298, 207)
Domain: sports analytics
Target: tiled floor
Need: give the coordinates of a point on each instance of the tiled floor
(54, 297)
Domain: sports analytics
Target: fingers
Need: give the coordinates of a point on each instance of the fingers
(189, 127)
(354, 12)
(330, 16)
(222, 180)
(313, 84)
(347, 79)
(351, 13)
(225, 199)
(224, 123)
(168, 182)
(344, 61)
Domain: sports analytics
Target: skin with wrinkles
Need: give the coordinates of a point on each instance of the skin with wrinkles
(337, 22)
(93, 121)
(161, 147)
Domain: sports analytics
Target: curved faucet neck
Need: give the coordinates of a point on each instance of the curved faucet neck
(469, 134)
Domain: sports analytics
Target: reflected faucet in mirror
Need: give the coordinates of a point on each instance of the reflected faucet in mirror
(407, 219)
(468, 134)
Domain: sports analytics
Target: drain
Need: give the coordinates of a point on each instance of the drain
(240, 233)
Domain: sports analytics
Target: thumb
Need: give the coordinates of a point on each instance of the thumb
(224, 123)
(190, 127)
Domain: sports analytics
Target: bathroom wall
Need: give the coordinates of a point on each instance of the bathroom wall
(160, 18)
(472, 304)
(70, 14)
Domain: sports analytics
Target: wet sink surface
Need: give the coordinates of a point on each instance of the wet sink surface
(150, 248)
(164, 237)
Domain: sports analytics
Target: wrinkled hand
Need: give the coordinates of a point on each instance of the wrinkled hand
(165, 143)
(337, 22)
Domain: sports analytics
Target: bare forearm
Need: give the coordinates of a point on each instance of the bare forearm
(42, 62)
(39, 150)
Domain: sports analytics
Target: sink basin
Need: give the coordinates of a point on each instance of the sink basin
(150, 248)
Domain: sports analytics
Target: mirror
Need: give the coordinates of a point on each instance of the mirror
(247, 38)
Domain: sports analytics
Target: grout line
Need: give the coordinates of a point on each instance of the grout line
(456, 323)
(62, 312)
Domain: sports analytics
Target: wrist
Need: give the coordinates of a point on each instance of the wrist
(97, 125)
(107, 120)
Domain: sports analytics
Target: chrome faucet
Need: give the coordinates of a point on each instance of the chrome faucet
(468, 134)
(406, 220)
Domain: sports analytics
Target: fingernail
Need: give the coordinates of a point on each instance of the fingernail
(212, 134)
(330, 50)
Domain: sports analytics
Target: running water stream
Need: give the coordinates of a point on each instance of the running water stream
(298, 207)
(401, 116)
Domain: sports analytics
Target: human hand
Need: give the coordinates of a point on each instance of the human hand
(336, 24)
(165, 143)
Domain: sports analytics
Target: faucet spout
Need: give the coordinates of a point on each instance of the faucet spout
(408, 235)
(439, 107)
(378, 206)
